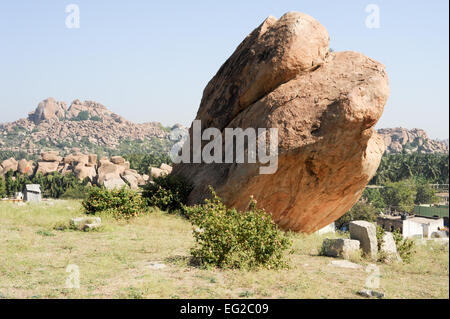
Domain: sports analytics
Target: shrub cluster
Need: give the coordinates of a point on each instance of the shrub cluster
(168, 193)
(226, 238)
(121, 203)
(405, 246)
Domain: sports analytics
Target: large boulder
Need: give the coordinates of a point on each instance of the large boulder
(108, 171)
(47, 110)
(139, 178)
(47, 167)
(52, 156)
(114, 183)
(92, 160)
(324, 105)
(8, 165)
(83, 172)
(366, 233)
(117, 160)
(131, 180)
(25, 167)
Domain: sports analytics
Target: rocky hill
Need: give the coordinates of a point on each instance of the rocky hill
(83, 126)
(398, 140)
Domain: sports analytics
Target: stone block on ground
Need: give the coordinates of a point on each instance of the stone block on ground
(389, 248)
(85, 223)
(340, 247)
(366, 233)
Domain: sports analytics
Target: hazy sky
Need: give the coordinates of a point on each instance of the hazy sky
(150, 61)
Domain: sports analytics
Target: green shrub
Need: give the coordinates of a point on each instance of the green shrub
(405, 246)
(168, 193)
(382, 256)
(75, 192)
(2, 187)
(121, 203)
(359, 211)
(226, 238)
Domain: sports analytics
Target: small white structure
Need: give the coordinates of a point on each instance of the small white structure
(327, 229)
(412, 226)
(33, 193)
(18, 195)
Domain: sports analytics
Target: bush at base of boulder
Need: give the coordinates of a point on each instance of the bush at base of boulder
(121, 203)
(405, 247)
(168, 193)
(226, 238)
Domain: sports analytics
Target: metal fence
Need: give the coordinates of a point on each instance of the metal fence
(441, 211)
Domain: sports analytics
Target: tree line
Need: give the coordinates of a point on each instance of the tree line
(432, 168)
(54, 185)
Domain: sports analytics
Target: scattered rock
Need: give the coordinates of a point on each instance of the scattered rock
(7, 165)
(156, 265)
(166, 168)
(85, 223)
(370, 293)
(157, 172)
(114, 183)
(51, 157)
(117, 160)
(340, 247)
(47, 167)
(324, 105)
(365, 232)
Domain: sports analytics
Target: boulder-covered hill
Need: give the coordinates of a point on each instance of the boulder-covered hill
(399, 140)
(83, 126)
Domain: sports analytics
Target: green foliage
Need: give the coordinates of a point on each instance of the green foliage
(405, 246)
(4, 155)
(75, 192)
(374, 197)
(400, 196)
(432, 168)
(426, 194)
(380, 233)
(2, 187)
(96, 118)
(53, 185)
(121, 203)
(168, 193)
(359, 211)
(226, 238)
(82, 116)
(141, 162)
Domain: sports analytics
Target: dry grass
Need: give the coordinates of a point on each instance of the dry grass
(115, 262)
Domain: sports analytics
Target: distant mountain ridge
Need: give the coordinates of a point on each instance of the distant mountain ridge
(83, 126)
(90, 127)
(399, 140)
